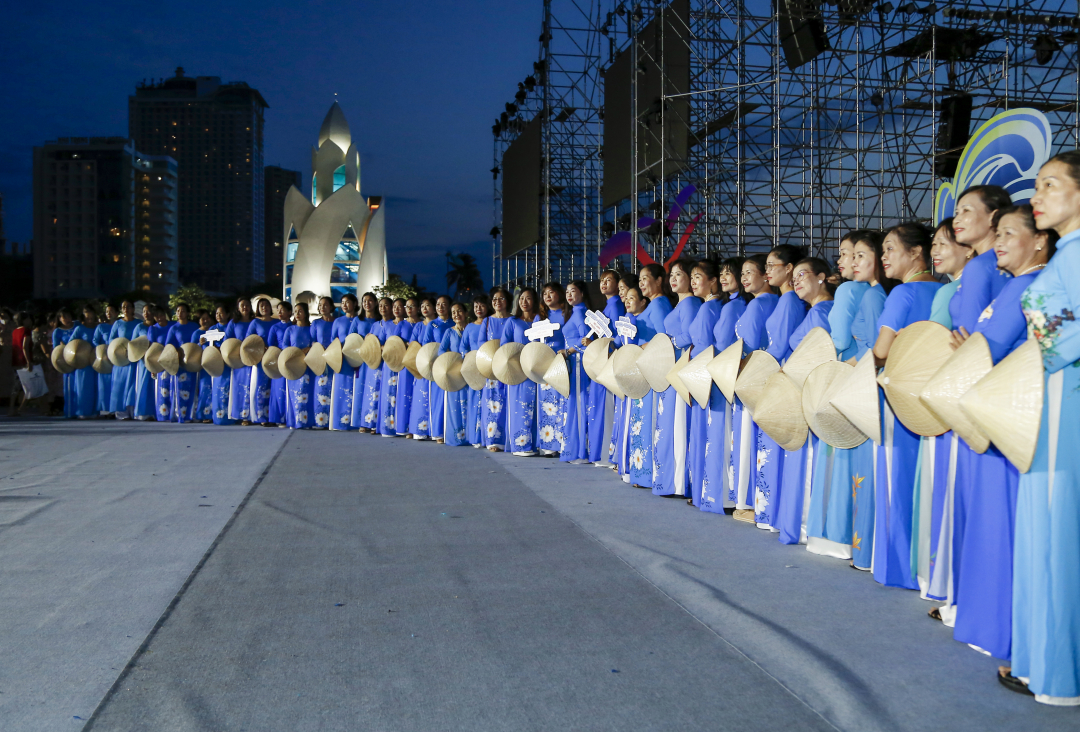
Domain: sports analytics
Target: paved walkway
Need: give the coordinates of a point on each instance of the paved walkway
(166, 577)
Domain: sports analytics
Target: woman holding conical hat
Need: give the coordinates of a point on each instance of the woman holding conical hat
(812, 286)
(405, 381)
(905, 257)
(341, 383)
(600, 413)
(220, 386)
(278, 387)
(259, 387)
(455, 404)
(368, 408)
(1046, 575)
(705, 285)
(143, 408)
(433, 333)
(475, 336)
(61, 334)
(104, 381)
(551, 405)
(419, 410)
(183, 384)
(521, 398)
(493, 404)
(744, 433)
(240, 377)
(389, 380)
(654, 284)
(300, 393)
(163, 398)
(202, 409)
(362, 327)
(322, 333)
(716, 481)
(84, 380)
(574, 408)
(122, 392)
(619, 452)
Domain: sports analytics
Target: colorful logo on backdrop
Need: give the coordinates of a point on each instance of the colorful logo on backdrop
(622, 242)
(1005, 151)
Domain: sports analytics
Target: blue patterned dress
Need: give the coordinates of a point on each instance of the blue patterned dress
(744, 433)
(221, 388)
(184, 387)
(80, 386)
(406, 383)
(104, 381)
(671, 423)
(601, 413)
(473, 338)
(389, 381)
(239, 404)
(619, 451)
(551, 404)
(493, 396)
(701, 335)
(420, 409)
(369, 402)
(300, 393)
(455, 403)
(277, 386)
(202, 409)
(122, 394)
(716, 486)
(642, 411)
(321, 332)
(259, 384)
(575, 407)
(163, 381)
(434, 333)
(361, 326)
(341, 383)
(520, 398)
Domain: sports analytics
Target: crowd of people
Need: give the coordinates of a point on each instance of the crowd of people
(995, 546)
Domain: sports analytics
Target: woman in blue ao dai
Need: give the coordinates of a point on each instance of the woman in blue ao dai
(300, 393)
(905, 257)
(705, 284)
(420, 411)
(493, 397)
(382, 330)
(277, 386)
(389, 380)
(260, 387)
(122, 395)
(521, 437)
(407, 331)
(321, 333)
(60, 336)
(433, 333)
(475, 335)
(184, 387)
(635, 304)
(575, 448)
(220, 386)
(716, 483)
(672, 415)
(143, 404)
(655, 287)
(791, 515)
(202, 408)
(240, 378)
(455, 403)
(551, 405)
(341, 383)
(362, 326)
(600, 412)
(163, 387)
(1046, 576)
(80, 386)
(104, 381)
(744, 433)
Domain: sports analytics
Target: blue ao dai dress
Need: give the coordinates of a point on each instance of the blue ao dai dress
(122, 393)
(551, 409)
(433, 333)
(259, 385)
(80, 386)
(716, 485)
(60, 337)
(744, 433)
(300, 393)
(420, 409)
(341, 383)
(601, 413)
(202, 409)
(221, 387)
(239, 378)
(575, 407)
(701, 337)
(369, 411)
(361, 326)
(520, 398)
(405, 385)
(895, 485)
(493, 397)
(780, 326)
(455, 403)
(671, 476)
(619, 452)
(143, 406)
(1046, 575)
(104, 381)
(277, 386)
(163, 381)
(642, 411)
(183, 385)
(472, 340)
(389, 381)
(321, 332)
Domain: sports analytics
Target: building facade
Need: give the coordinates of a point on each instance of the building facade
(86, 194)
(277, 182)
(336, 240)
(215, 133)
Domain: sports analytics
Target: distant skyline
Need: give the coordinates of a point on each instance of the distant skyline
(420, 84)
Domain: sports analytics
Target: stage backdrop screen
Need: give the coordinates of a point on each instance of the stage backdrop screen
(521, 190)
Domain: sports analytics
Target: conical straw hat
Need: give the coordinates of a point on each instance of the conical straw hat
(291, 363)
(102, 364)
(59, 362)
(557, 376)
(314, 359)
(425, 359)
(596, 355)
(191, 357)
(820, 386)
(409, 362)
(1006, 404)
(506, 365)
(371, 351)
(79, 353)
(780, 414)
(470, 373)
(393, 353)
(941, 395)
(270, 362)
(608, 379)
(656, 360)
(815, 349)
(151, 358)
(333, 356)
(350, 349)
(212, 362)
(136, 348)
(230, 353)
(697, 378)
(169, 360)
(724, 369)
(534, 359)
(676, 381)
(118, 352)
(446, 372)
(485, 356)
(627, 376)
(917, 353)
(857, 398)
(759, 367)
(252, 349)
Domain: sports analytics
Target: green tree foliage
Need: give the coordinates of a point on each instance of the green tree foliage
(396, 287)
(463, 276)
(194, 296)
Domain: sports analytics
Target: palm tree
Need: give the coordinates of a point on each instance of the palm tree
(463, 275)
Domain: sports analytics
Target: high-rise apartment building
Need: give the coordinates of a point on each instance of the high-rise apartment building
(87, 191)
(277, 184)
(215, 133)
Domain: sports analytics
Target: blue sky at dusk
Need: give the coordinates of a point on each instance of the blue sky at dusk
(420, 83)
